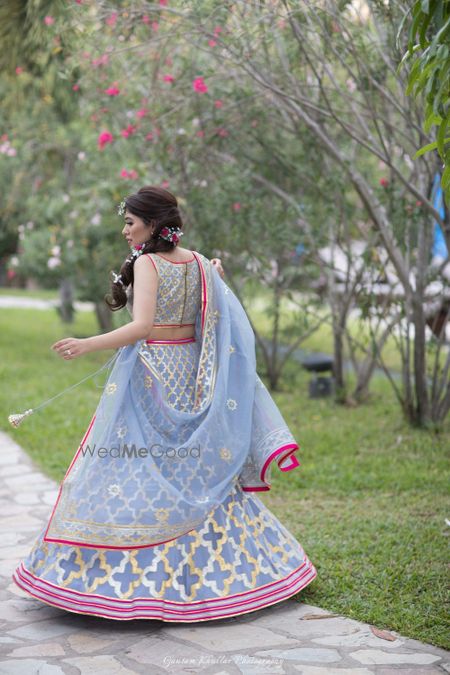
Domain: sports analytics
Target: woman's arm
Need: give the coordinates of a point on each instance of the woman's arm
(144, 308)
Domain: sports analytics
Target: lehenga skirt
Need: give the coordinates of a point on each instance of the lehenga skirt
(239, 560)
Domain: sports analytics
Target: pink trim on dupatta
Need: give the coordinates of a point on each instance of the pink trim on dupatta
(66, 474)
(294, 462)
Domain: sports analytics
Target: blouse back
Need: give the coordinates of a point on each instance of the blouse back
(179, 291)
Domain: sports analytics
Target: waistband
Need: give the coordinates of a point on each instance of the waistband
(173, 341)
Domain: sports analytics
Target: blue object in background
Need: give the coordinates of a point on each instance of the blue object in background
(437, 198)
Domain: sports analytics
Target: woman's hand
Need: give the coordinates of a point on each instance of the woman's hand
(70, 348)
(218, 265)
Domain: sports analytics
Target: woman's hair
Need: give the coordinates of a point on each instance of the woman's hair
(154, 205)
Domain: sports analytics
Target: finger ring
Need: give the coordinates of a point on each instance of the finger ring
(68, 351)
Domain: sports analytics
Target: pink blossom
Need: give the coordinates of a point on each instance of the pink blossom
(212, 43)
(104, 138)
(48, 20)
(222, 132)
(128, 131)
(199, 85)
(384, 182)
(155, 25)
(218, 103)
(11, 274)
(149, 136)
(128, 174)
(111, 20)
(112, 91)
(165, 184)
(200, 134)
(145, 18)
(163, 3)
(141, 112)
(101, 60)
(168, 78)
(217, 30)
(236, 206)
(75, 87)
(19, 70)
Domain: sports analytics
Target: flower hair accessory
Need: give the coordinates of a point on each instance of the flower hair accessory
(117, 278)
(121, 207)
(171, 234)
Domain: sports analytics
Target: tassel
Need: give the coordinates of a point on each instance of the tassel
(17, 418)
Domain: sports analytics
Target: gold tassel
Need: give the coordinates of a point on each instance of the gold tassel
(16, 419)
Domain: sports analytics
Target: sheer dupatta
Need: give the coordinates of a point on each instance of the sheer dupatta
(146, 473)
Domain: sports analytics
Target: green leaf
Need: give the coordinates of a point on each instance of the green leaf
(445, 180)
(428, 148)
(441, 137)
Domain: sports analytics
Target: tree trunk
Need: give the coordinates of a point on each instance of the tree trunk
(66, 309)
(104, 316)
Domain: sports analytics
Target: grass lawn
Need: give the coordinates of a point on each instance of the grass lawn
(368, 502)
(40, 294)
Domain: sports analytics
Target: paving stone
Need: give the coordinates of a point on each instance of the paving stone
(363, 637)
(10, 538)
(254, 665)
(377, 656)
(34, 478)
(43, 649)
(327, 670)
(97, 665)
(174, 657)
(27, 498)
(85, 643)
(29, 667)
(303, 654)
(227, 637)
(22, 523)
(415, 670)
(14, 469)
(43, 630)
(50, 496)
(14, 552)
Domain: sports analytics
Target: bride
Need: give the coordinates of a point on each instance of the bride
(157, 516)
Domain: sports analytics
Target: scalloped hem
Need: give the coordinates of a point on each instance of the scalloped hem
(164, 610)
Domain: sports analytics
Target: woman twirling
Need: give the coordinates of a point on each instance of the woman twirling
(157, 515)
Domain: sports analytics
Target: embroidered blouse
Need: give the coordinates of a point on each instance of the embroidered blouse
(179, 291)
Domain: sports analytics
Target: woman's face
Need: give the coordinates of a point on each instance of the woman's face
(135, 231)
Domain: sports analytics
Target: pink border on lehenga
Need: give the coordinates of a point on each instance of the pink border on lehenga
(292, 447)
(26, 580)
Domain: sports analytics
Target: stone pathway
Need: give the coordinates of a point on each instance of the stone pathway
(17, 302)
(286, 638)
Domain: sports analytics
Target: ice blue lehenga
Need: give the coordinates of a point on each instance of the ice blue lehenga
(156, 516)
